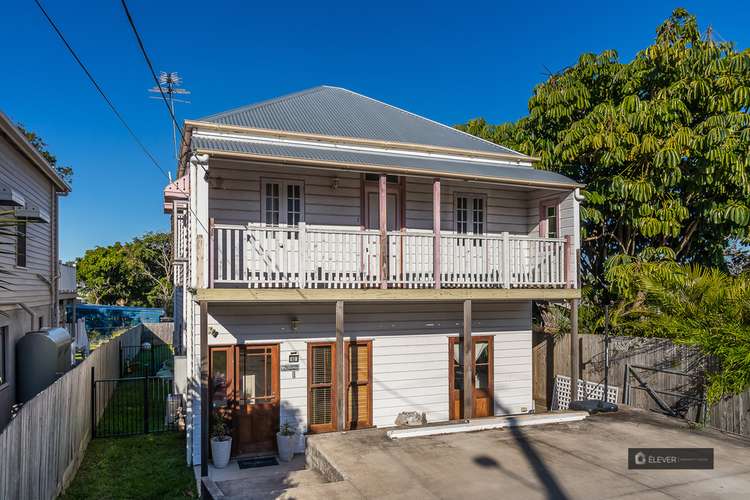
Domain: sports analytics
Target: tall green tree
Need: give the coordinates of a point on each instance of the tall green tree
(136, 273)
(662, 143)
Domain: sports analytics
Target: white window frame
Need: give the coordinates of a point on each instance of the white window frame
(283, 199)
(470, 221)
(543, 218)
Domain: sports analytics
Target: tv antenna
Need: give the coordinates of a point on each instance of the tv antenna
(169, 84)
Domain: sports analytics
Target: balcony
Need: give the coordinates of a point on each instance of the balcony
(257, 256)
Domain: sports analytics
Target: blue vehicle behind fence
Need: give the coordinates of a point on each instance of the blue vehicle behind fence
(102, 321)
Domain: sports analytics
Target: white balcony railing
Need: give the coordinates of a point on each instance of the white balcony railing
(305, 257)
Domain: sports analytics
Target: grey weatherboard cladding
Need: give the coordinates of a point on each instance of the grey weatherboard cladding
(340, 112)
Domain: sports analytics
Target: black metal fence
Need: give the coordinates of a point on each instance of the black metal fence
(133, 405)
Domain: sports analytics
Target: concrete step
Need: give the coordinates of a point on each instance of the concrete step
(269, 484)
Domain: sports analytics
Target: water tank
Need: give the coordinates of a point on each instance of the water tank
(41, 357)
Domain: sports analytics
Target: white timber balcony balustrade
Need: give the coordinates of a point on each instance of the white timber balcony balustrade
(259, 256)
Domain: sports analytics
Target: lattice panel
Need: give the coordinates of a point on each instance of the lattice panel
(586, 390)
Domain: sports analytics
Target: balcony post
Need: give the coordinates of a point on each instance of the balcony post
(506, 259)
(436, 231)
(569, 278)
(211, 252)
(301, 258)
(383, 225)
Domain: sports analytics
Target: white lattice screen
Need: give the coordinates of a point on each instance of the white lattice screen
(586, 390)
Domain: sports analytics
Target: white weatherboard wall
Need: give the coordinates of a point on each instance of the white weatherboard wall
(410, 350)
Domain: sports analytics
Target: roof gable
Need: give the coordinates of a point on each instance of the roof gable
(335, 111)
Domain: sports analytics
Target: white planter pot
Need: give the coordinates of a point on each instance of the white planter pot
(286, 445)
(220, 451)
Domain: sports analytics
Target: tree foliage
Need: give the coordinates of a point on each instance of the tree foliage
(136, 273)
(661, 143)
(691, 305)
(66, 172)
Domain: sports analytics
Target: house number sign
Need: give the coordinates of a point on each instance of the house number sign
(294, 357)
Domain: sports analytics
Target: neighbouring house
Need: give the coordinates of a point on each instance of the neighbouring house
(29, 272)
(336, 256)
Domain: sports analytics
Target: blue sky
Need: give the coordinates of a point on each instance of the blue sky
(448, 61)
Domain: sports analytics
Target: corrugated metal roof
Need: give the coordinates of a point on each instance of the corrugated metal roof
(466, 168)
(340, 112)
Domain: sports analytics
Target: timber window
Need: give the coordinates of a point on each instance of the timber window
(470, 214)
(321, 381)
(283, 203)
(3, 344)
(21, 233)
(359, 384)
(549, 226)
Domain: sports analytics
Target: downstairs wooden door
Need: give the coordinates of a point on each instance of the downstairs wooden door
(258, 402)
(482, 387)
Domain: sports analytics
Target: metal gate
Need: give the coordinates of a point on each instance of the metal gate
(133, 405)
(137, 361)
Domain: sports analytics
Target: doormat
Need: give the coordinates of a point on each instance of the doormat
(250, 463)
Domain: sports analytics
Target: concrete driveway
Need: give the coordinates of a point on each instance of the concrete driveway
(586, 459)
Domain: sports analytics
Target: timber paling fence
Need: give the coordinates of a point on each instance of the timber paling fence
(43, 446)
(674, 372)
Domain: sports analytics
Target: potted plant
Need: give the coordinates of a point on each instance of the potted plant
(221, 441)
(286, 439)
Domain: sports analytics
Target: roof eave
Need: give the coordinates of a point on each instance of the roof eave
(289, 161)
(191, 125)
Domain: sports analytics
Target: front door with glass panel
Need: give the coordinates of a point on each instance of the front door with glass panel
(258, 398)
(244, 387)
(482, 381)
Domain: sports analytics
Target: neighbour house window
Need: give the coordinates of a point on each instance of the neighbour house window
(3, 344)
(283, 203)
(549, 221)
(21, 244)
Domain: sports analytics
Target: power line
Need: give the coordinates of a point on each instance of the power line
(109, 103)
(150, 66)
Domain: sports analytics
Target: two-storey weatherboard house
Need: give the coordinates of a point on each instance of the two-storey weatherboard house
(29, 273)
(336, 256)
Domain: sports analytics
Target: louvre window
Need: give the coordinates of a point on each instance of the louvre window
(321, 387)
(359, 384)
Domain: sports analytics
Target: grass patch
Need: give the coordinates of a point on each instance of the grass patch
(138, 467)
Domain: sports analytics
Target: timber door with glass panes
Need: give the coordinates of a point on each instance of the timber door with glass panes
(244, 388)
(482, 381)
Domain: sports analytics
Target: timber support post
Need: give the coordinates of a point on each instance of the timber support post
(574, 354)
(436, 231)
(205, 422)
(383, 226)
(468, 358)
(339, 357)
